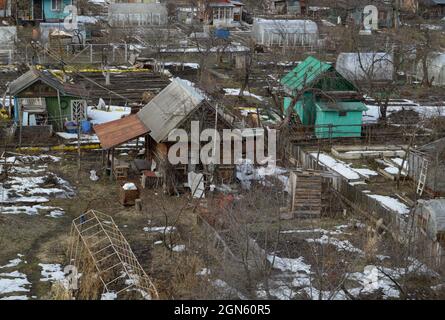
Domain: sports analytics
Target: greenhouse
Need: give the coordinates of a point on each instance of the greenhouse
(375, 66)
(436, 69)
(285, 32)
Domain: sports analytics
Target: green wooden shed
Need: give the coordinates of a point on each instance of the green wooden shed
(40, 98)
(328, 101)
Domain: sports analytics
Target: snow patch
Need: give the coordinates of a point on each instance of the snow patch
(51, 272)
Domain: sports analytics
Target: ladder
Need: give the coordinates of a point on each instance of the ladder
(422, 177)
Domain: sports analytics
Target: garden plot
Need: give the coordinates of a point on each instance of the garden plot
(29, 186)
(297, 271)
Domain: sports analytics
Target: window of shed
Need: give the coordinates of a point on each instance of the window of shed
(56, 5)
(342, 113)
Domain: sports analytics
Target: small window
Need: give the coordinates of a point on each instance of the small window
(56, 5)
(342, 113)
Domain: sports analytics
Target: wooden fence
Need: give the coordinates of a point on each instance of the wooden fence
(118, 53)
(402, 229)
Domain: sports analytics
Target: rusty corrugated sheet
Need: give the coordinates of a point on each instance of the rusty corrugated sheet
(117, 132)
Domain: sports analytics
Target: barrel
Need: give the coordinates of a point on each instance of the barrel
(222, 33)
(85, 125)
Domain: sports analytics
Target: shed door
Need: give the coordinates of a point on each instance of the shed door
(78, 110)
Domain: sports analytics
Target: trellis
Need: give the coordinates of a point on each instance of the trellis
(114, 262)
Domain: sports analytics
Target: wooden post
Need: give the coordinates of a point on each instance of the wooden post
(138, 204)
(20, 107)
(60, 109)
(112, 165)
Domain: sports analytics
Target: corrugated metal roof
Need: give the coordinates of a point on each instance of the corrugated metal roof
(34, 75)
(169, 108)
(341, 106)
(305, 73)
(117, 132)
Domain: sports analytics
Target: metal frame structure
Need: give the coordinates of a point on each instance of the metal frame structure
(116, 265)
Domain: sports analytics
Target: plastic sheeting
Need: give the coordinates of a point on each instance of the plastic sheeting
(285, 32)
(377, 66)
(436, 69)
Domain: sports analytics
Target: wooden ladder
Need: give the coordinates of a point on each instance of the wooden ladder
(422, 177)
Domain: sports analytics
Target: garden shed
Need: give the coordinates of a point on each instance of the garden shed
(326, 100)
(40, 98)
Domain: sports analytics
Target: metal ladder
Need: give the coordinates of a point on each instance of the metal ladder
(422, 177)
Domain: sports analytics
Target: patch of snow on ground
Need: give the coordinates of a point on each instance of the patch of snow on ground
(316, 230)
(167, 229)
(13, 285)
(371, 280)
(33, 210)
(224, 286)
(203, 272)
(14, 274)
(13, 281)
(13, 263)
(178, 248)
(51, 272)
(109, 296)
(287, 264)
(56, 213)
(15, 298)
(342, 245)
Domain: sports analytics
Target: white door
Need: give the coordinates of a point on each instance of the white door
(78, 110)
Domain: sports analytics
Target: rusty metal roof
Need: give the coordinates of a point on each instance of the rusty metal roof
(117, 132)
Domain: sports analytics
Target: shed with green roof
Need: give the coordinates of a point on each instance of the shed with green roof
(318, 82)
